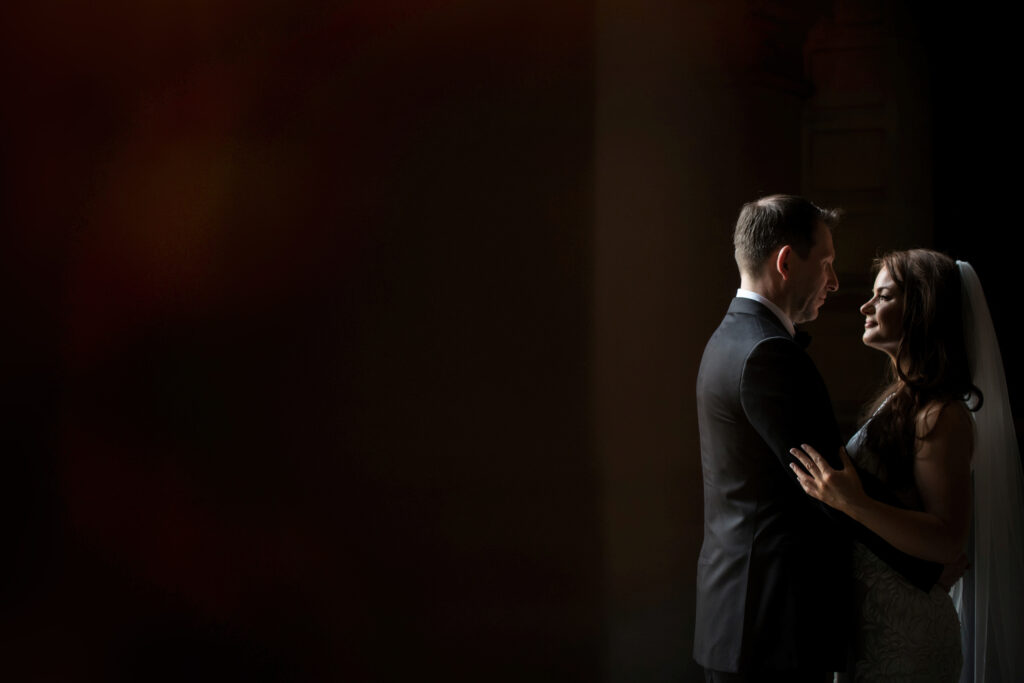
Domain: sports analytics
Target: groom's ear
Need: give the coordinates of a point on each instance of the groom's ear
(782, 261)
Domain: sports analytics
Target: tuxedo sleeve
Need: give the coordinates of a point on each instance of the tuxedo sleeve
(786, 401)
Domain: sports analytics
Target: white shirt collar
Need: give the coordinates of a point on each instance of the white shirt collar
(783, 318)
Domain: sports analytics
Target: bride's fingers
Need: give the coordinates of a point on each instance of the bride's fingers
(807, 483)
(805, 460)
(799, 456)
(819, 461)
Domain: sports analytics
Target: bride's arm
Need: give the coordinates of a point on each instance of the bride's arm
(942, 471)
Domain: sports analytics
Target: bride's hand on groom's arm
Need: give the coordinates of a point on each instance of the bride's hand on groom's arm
(936, 534)
(840, 489)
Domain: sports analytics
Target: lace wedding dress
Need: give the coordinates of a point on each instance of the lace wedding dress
(902, 634)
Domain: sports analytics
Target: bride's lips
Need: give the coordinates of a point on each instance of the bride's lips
(868, 324)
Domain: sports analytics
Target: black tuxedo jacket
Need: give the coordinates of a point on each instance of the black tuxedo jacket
(774, 582)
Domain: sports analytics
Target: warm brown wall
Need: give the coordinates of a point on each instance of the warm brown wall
(300, 303)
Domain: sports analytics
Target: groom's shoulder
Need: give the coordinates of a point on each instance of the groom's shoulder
(750, 321)
(741, 335)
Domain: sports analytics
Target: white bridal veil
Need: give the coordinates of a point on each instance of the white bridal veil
(990, 597)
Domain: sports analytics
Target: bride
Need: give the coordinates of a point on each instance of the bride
(942, 422)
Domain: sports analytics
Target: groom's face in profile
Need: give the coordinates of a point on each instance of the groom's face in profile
(814, 277)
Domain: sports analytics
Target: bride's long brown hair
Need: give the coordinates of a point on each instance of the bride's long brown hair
(931, 361)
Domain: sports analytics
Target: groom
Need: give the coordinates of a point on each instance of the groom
(774, 584)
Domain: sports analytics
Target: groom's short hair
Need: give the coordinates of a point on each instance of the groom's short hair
(768, 223)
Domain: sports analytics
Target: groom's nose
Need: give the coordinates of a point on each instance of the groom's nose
(832, 284)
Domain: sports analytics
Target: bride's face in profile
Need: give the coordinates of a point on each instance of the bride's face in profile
(883, 315)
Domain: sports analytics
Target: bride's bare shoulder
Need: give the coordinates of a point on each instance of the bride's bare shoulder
(948, 421)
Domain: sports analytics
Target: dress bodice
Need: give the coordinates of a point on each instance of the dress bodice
(902, 634)
(874, 463)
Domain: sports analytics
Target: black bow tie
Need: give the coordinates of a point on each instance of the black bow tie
(802, 338)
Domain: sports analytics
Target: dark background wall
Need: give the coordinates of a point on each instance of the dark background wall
(356, 341)
(976, 138)
(296, 346)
